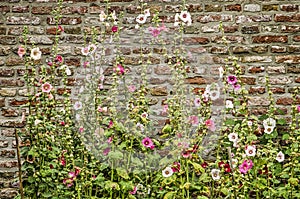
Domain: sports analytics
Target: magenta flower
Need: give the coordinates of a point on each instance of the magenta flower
(133, 191)
(176, 167)
(298, 108)
(119, 69)
(86, 64)
(114, 29)
(193, 119)
(236, 87)
(60, 28)
(46, 87)
(109, 140)
(197, 102)
(154, 31)
(59, 59)
(106, 151)
(68, 182)
(166, 108)
(246, 166)
(231, 79)
(21, 51)
(110, 124)
(186, 154)
(147, 142)
(210, 124)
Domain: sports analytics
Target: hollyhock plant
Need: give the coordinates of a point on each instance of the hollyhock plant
(114, 29)
(85, 51)
(229, 104)
(147, 12)
(147, 142)
(36, 53)
(167, 172)
(21, 51)
(250, 150)
(246, 166)
(46, 87)
(280, 157)
(119, 69)
(298, 108)
(236, 87)
(215, 173)
(92, 48)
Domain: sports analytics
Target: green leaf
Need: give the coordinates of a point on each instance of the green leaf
(285, 137)
(230, 122)
(116, 155)
(197, 167)
(47, 194)
(281, 121)
(169, 195)
(123, 173)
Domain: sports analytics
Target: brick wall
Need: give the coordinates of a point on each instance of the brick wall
(265, 35)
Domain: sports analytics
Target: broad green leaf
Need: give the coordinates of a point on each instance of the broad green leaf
(285, 137)
(123, 173)
(116, 155)
(230, 122)
(169, 195)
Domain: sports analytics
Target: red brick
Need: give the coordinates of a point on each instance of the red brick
(214, 18)
(20, 9)
(213, 8)
(17, 102)
(196, 40)
(196, 80)
(284, 101)
(287, 18)
(293, 59)
(248, 80)
(270, 7)
(233, 7)
(65, 20)
(297, 79)
(270, 39)
(6, 72)
(290, 28)
(11, 82)
(159, 91)
(74, 10)
(296, 38)
(289, 8)
(256, 69)
(4, 9)
(277, 90)
(257, 90)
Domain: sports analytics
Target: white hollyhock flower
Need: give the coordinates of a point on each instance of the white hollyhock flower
(269, 125)
(221, 72)
(250, 150)
(68, 71)
(280, 157)
(77, 105)
(102, 16)
(215, 173)
(167, 172)
(185, 16)
(141, 19)
(213, 91)
(176, 23)
(85, 51)
(234, 162)
(147, 12)
(36, 53)
(37, 121)
(229, 104)
(233, 137)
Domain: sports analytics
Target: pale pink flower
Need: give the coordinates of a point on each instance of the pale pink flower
(46, 87)
(215, 173)
(250, 150)
(92, 48)
(165, 109)
(109, 140)
(77, 105)
(144, 115)
(236, 87)
(298, 108)
(81, 129)
(197, 102)
(131, 88)
(106, 151)
(167, 172)
(86, 64)
(194, 120)
(59, 59)
(147, 12)
(133, 191)
(60, 28)
(280, 157)
(210, 124)
(185, 16)
(141, 19)
(21, 51)
(154, 31)
(85, 51)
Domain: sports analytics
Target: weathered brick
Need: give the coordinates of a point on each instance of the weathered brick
(270, 39)
(229, 39)
(219, 50)
(7, 153)
(252, 7)
(250, 59)
(213, 8)
(159, 91)
(278, 90)
(284, 101)
(14, 61)
(230, 29)
(289, 8)
(297, 79)
(240, 49)
(11, 82)
(8, 132)
(3, 30)
(196, 80)
(260, 49)
(256, 18)
(258, 101)
(4, 9)
(233, 7)
(250, 29)
(73, 30)
(276, 69)
(9, 112)
(65, 21)
(168, 8)
(256, 69)
(14, 20)
(196, 40)
(270, 7)
(157, 80)
(8, 40)
(290, 28)
(214, 18)
(74, 10)
(3, 143)
(293, 69)
(8, 92)
(2, 102)
(257, 90)
(162, 70)
(292, 59)
(209, 29)
(11, 124)
(8, 164)
(293, 49)
(8, 193)
(20, 9)
(194, 8)
(280, 80)
(248, 80)
(296, 38)
(287, 18)
(32, 30)
(4, 50)
(278, 49)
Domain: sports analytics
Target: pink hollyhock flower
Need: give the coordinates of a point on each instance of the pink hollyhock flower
(119, 69)
(21, 51)
(85, 51)
(81, 129)
(131, 88)
(110, 124)
(59, 59)
(72, 174)
(114, 29)
(204, 165)
(147, 142)
(86, 64)
(246, 166)
(109, 140)
(154, 31)
(106, 151)
(68, 182)
(186, 154)
(62, 123)
(231, 79)
(77, 171)
(165, 109)
(63, 161)
(298, 108)
(133, 191)
(46, 87)
(197, 102)
(236, 87)
(193, 119)
(210, 124)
